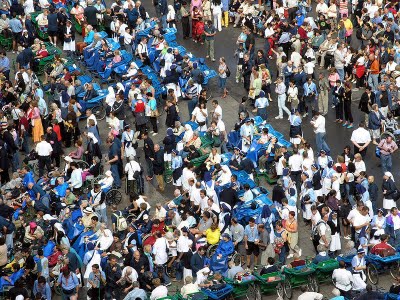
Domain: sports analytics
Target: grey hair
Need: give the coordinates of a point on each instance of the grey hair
(188, 279)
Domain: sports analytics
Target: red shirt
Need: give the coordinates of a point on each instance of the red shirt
(378, 248)
(57, 130)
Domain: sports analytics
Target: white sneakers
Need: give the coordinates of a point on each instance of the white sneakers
(279, 117)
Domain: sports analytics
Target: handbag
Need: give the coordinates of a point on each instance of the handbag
(154, 113)
(67, 40)
(227, 72)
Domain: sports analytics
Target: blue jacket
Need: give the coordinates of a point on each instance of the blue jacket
(225, 248)
(373, 121)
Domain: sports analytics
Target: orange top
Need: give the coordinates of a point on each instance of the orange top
(374, 67)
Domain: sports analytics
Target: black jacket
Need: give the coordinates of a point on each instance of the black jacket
(72, 32)
(197, 263)
(363, 105)
(158, 162)
(90, 14)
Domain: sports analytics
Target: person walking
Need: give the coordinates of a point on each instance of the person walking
(375, 119)
(318, 122)
(280, 90)
(210, 32)
(387, 147)
(361, 139)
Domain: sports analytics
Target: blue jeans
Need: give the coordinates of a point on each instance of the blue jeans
(221, 82)
(15, 162)
(340, 73)
(161, 269)
(115, 174)
(321, 143)
(386, 161)
(192, 105)
(164, 21)
(373, 81)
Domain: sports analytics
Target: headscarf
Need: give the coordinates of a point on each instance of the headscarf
(32, 227)
(200, 276)
(390, 175)
(170, 132)
(110, 98)
(188, 133)
(91, 136)
(120, 87)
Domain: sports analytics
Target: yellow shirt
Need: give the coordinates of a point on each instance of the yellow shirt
(213, 236)
(348, 25)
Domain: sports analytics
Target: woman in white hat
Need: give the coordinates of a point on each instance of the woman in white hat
(107, 182)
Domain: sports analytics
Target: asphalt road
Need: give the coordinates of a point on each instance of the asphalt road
(337, 137)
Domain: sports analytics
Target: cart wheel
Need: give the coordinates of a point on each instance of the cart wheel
(99, 111)
(35, 168)
(280, 290)
(237, 259)
(57, 290)
(113, 197)
(168, 178)
(372, 273)
(287, 289)
(395, 269)
(211, 250)
(82, 164)
(312, 284)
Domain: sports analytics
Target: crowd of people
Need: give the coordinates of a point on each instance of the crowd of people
(62, 234)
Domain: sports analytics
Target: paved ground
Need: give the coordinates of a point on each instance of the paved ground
(337, 136)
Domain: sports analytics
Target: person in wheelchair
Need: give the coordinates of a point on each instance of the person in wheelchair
(107, 182)
(224, 249)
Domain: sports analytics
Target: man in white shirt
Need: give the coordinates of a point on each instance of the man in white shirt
(160, 291)
(343, 280)
(90, 116)
(203, 200)
(160, 248)
(318, 121)
(360, 221)
(183, 247)
(295, 164)
(130, 168)
(309, 295)
(187, 173)
(361, 138)
(217, 115)
(44, 151)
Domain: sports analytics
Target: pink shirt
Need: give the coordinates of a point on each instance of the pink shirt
(332, 79)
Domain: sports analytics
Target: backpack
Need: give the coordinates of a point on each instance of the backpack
(122, 224)
(315, 232)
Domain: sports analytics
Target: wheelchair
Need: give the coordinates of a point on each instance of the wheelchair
(234, 256)
(113, 195)
(377, 265)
